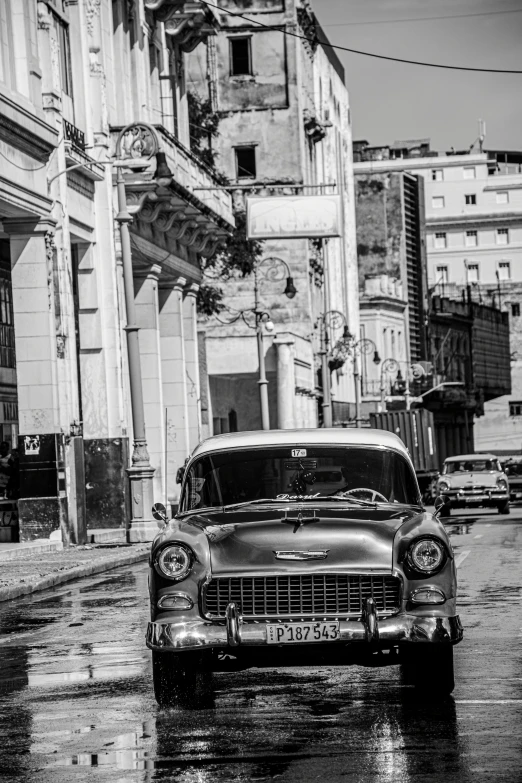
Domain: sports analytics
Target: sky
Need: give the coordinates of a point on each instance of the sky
(396, 101)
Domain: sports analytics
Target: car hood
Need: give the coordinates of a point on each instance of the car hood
(468, 477)
(353, 539)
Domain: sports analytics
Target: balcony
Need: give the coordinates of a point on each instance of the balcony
(194, 209)
(188, 23)
(74, 143)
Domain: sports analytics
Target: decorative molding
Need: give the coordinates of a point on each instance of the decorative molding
(81, 184)
(92, 10)
(188, 23)
(24, 140)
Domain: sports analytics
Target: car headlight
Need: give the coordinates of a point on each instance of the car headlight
(426, 555)
(443, 486)
(502, 483)
(174, 561)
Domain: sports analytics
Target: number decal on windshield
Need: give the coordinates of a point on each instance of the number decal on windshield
(298, 452)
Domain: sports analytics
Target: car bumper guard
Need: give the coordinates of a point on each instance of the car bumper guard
(198, 634)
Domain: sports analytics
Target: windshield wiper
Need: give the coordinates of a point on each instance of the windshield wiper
(349, 499)
(230, 506)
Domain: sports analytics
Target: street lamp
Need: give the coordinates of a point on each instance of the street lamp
(402, 383)
(272, 269)
(346, 346)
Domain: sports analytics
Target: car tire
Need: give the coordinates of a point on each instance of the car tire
(429, 667)
(503, 508)
(181, 680)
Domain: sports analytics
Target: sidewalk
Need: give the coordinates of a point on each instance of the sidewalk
(39, 570)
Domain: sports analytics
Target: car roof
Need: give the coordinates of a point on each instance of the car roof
(331, 436)
(469, 457)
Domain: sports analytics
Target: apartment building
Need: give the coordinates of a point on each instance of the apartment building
(473, 207)
(72, 76)
(284, 130)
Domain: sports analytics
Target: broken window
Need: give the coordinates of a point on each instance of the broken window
(240, 57)
(246, 162)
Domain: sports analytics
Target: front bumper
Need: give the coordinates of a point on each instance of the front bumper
(201, 634)
(491, 498)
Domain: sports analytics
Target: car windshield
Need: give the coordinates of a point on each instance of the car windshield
(277, 474)
(472, 466)
(513, 468)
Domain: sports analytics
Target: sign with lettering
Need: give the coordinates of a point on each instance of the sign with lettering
(293, 217)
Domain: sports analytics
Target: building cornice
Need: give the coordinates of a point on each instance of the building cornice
(383, 303)
(470, 221)
(24, 130)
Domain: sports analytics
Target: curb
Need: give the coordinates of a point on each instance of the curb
(78, 572)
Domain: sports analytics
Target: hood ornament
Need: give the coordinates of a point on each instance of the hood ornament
(305, 554)
(300, 520)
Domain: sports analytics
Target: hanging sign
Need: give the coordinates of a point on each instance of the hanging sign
(293, 217)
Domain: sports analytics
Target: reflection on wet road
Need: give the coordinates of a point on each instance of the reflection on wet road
(76, 694)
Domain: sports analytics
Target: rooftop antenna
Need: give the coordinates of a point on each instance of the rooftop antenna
(482, 133)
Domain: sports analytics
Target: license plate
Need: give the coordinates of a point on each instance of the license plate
(292, 633)
(475, 498)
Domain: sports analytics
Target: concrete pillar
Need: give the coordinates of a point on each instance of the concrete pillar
(174, 382)
(285, 382)
(43, 502)
(190, 333)
(147, 318)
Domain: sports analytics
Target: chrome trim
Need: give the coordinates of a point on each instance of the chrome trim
(173, 608)
(297, 554)
(370, 621)
(233, 622)
(428, 603)
(284, 598)
(401, 629)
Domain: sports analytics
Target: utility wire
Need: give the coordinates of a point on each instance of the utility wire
(420, 18)
(358, 51)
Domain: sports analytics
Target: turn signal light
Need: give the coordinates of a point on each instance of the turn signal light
(428, 595)
(177, 601)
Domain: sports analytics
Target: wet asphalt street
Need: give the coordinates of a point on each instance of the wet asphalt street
(76, 697)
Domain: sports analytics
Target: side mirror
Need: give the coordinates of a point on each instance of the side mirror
(159, 512)
(179, 475)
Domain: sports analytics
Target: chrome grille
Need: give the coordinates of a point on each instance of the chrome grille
(301, 595)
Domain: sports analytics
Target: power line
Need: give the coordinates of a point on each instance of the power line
(421, 18)
(357, 51)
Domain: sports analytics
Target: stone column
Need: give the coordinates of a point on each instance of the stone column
(147, 319)
(285, 382)
(174, 380)
(190, 329)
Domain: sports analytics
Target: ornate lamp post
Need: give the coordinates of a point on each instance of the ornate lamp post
(390, 366)
(275, 270)
(332, 319)
(136, 145)
(346, 347)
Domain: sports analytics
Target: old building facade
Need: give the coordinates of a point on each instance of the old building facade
(63, 258)
(473, 263)
(284, 130)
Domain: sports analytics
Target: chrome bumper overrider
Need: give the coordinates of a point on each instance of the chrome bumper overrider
(198, 634)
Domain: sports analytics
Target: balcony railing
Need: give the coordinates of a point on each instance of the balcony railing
(74, 135)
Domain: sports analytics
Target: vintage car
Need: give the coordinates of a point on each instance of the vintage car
(258, 568)
(512, 467)
(473, 480)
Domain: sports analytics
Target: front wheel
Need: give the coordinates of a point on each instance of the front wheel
(503, 508)
(429, 666)
(181, 680)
